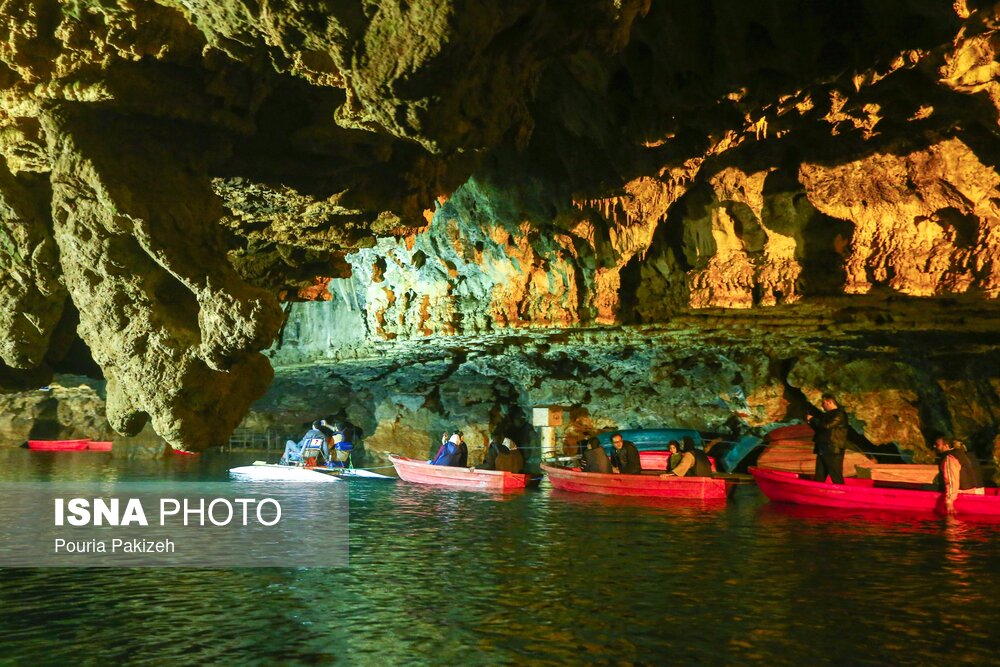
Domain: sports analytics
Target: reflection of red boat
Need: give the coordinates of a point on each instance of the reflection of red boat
(653, 486)
(421, 472)
(865, 493)
(181, 452)
(59, 445)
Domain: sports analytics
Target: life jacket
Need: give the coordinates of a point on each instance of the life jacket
(702, 466)
(969, 475)
(510, 461)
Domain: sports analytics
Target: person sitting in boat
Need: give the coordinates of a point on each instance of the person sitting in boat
(692, 462)
(702, 465)
(314, 438)
(625, 457)
(450, 453)
(490, 456)
(595, 459)
(830, 440)
(463, 451)
(681, 463)
(509, 458)
(673, 455)
(960, 473)
(342, 445)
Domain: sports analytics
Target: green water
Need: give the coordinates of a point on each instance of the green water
(446, 577)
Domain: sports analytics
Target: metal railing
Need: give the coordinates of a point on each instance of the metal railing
(247, 440)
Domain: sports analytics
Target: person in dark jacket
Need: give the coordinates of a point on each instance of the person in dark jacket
(830, 440)
(315, 438)
(463, 451)
(450, 453)
(625, 456)
(959, 472)
(702, 465)
(490, 456)
(595, 459)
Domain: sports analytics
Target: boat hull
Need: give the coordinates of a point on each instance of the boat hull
(797, 456)
(657, 459)
(903, 473)
(650, 486)
(271, 472)
(866, 494)
(421, 472)
(59, 445)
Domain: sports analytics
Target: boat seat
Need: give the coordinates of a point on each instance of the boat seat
(312, 452)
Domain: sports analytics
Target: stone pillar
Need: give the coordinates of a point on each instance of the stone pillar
(548, 442)
(546, 419)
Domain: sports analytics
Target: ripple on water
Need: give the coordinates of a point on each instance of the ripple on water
(447, 577)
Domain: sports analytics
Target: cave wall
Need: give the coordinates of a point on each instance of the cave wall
(172, 171)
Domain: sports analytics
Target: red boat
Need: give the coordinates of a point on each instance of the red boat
(649, 485)
(867, 494)
(99, 446)
(59, 445)
(657, 459)
(912, 473)
(793, 432)
(797, 456)
(421, 472)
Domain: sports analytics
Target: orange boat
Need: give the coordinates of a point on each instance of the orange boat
(648, 485)
(421, 472)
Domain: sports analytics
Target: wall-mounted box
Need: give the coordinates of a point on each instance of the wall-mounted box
(547, 416)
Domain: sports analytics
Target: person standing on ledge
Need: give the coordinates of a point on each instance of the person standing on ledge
(625, 457)
(960, 473)
(830, 440)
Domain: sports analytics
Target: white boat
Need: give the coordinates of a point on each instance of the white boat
(261, 471)
(361, 473)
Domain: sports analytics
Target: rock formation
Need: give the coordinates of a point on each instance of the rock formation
(748, 203)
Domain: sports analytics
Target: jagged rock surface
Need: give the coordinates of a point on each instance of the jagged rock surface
(470, 169)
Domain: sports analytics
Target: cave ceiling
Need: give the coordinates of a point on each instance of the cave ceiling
(172, 171)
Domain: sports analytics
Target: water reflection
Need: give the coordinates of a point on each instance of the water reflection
(451, 577)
